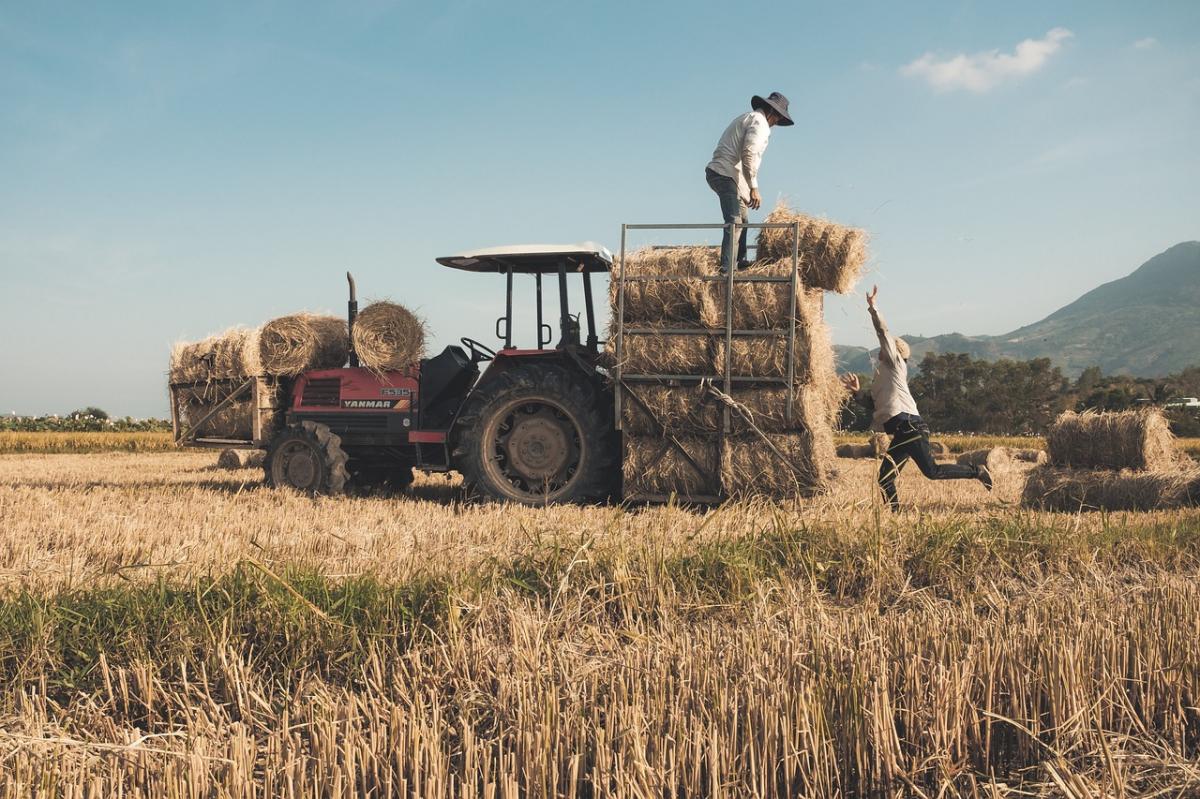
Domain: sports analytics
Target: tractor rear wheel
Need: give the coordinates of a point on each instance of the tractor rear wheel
(307, 457)
(536, 435)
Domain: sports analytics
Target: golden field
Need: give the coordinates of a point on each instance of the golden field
(173, 630)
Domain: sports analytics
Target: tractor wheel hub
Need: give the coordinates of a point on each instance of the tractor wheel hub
(538, 448)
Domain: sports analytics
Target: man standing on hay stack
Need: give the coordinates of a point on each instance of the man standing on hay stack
(733, 171)
(896, 414)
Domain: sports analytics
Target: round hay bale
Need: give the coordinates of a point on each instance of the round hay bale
(1034, 456)
(218, 357)
(388, 336)
(1123, 440)
(296, 343)
(879, 444)
(241, 458)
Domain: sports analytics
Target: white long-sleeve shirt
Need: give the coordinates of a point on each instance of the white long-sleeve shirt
(740, 151)
(889, 387)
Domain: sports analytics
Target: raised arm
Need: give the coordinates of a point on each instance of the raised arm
(887, 346)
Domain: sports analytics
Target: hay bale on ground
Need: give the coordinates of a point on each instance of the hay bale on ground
(1138, 440)
(938, 449)
(1034, 456)
(652, 466)
(1000, 457)
(241, 458)
(388, 336)
(832, 255)
(650, 353)
(219, 357)
(1073, 490)
(879, 444)
(289, 345)
(684, 301)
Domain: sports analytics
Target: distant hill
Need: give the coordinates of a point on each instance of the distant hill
(1146, 324)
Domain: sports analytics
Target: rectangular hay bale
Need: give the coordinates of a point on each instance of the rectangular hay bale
(652, 353)
(750, 468)
(681, 300)
(693, 409)
(652, 466)
(832, 255)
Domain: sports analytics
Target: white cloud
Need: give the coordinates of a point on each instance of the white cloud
(1146, 43)
(979, 72)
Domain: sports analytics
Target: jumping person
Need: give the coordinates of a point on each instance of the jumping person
(733, 171)
(896, 414)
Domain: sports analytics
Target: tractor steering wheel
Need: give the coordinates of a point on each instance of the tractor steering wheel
(479, 352)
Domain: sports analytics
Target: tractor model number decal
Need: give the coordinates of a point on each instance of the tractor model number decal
(396, 392)
(383, 405)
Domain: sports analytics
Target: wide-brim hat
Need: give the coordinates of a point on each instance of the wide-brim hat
(777, 102)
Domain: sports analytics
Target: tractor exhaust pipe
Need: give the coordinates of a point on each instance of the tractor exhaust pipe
(351, 314)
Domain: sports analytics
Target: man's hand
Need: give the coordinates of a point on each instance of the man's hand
(871, 295)
(851, 383)
(755, 199)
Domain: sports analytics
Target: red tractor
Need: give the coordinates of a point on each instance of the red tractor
(536, 426)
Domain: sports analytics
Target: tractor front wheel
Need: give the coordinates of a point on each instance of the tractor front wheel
(536, 435)
(307, 457)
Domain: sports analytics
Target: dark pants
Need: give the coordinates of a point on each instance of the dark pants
(733, 211)
(910, 439)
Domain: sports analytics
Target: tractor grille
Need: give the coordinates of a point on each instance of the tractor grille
(350, 422)
(326, 391)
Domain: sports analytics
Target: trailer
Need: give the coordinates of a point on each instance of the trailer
(719, 383)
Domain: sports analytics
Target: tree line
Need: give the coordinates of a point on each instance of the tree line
(956, 392)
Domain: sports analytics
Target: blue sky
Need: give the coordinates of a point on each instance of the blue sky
(171, 169)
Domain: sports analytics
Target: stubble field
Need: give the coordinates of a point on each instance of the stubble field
(167, 629)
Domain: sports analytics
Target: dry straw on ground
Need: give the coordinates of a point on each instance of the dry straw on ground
(1138, 440)
(1073, 490)
(832, 255)
(388, 336)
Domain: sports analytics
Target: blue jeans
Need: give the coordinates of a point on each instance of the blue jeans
(910, 439)
(733, 211)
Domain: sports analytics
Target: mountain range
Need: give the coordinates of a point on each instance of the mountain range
(1146, 324)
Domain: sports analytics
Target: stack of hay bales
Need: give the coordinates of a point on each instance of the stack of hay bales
(204, 372)
(1111, 461)
(765, 453)
(387, 336)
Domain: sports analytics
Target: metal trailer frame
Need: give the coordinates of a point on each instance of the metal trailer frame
(265, 391)
(621, 379)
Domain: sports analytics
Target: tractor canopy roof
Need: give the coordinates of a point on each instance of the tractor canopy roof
(586, 256)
